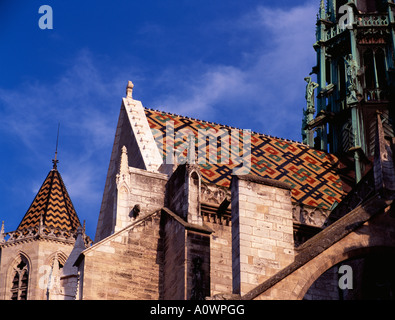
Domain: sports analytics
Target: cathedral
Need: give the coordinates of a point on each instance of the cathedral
(195, 210)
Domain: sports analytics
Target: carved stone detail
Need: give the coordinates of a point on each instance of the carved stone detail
(214, 194)
(309, 215)
(46, 232)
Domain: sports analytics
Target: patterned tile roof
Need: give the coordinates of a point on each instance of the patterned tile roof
(53, 203)
(311, 173)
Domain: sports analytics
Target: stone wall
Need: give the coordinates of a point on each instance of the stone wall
(198, 265)
(363, 231)
(147, 189)
(39, 254)
(134, 133)
(183, 193)
(126, 265)
(174, 263)
(123, 137)
(262, 230)
(220, 258)
(177, 192)
(138, 193)
(186, 252)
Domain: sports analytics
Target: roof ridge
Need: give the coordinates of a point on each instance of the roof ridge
(44, 216)
(228, 126)
(67, 196)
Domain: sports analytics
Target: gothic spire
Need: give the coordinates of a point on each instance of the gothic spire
(55, 161)
(2, 232)
(52, 207)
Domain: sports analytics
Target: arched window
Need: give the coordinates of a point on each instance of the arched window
(20, 279)
(369, 69)
(381, 68)
(375, 74)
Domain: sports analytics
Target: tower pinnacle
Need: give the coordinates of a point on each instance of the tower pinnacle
(55, 161)
(129, 89)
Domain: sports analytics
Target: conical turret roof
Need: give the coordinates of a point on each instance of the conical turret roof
(52, 206)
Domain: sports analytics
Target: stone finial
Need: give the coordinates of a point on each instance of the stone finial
(191, 156)
(124, 166)
(129, 90)
(2, 232)
(322, 9)
(123, 174)
(79, 242)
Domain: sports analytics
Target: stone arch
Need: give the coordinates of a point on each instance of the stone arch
(359, 248)
(19, 257)
(311, 262)
(194, 195)
(50, 276)
(353, 254)
(61, 256)
(195, 178)
(376, 234)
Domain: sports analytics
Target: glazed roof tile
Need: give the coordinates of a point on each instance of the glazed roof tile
(53, 204)
(311, 173)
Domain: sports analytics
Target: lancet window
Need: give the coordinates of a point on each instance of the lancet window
(375, 74)
(20, 280)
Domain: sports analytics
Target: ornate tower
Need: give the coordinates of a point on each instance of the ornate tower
(355, 79)
(31, 257)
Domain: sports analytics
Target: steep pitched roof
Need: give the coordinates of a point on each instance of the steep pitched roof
(311, 173)
(53, 205)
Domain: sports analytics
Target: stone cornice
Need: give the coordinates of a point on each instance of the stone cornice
(264, 181)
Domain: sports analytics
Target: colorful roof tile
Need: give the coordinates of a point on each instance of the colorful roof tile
(311, 173)
(53, 204)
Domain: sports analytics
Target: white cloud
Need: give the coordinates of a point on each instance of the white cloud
(199, 95)
(267, 87)
(78, 100)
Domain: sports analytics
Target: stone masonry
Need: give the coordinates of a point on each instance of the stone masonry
(262, 232)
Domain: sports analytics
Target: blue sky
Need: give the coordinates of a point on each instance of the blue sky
(239, 63)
